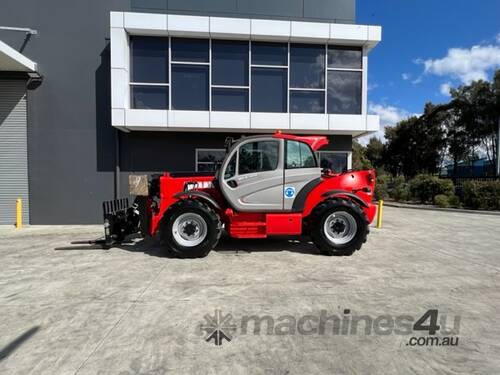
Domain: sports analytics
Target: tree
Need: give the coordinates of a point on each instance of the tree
(359, 159)
(375, 151)
(470, 120)
(414, 146)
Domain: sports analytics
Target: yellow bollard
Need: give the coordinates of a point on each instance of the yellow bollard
(379, 213)
(19, 213)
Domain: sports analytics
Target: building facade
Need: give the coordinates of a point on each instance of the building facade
(93, 91)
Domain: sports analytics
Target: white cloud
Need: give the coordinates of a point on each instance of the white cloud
(498, 38)
(464, 64)
(372, 86)
(445, 88)
(417, 80)
(389, 116)
(406, 76)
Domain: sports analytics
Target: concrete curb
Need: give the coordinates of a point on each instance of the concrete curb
(434, 208)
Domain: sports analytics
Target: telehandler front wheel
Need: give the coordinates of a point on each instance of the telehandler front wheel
(339, 227)
(190, 230)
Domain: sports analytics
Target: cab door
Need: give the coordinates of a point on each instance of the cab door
(301, 174)
(253, 176)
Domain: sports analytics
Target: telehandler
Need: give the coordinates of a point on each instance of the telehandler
(267, 185)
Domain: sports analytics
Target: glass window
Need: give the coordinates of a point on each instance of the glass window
(190, 50)
(227, 99)
(149, 97)
(307, 101)
(209, 160)
(269, 90)
(265, 53)
(344, 92)
(344, 57)
(149, 57)
(299, 155)
(231, 167)
(336, 161)
(229, 63)
(259, 156)
(307, 66)
(190, 87)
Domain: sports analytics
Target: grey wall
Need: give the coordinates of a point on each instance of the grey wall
(71, 152)
(342, 11)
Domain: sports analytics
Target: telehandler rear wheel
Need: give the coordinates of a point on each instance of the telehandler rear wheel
(339, 227)
(191, 229)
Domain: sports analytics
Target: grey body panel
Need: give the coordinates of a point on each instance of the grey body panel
(259, 191)
(297, 179)
(265, 191)
(13, 150)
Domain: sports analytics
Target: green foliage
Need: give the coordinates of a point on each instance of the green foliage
(455, 130)
(442, 201)
(382, 186)
(359, 159)
(454, 201)
(413, 146)
(400, 190)
(483, 195)
(425, 187)
(374, 152)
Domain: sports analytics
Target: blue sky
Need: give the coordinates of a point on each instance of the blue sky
(427, 46)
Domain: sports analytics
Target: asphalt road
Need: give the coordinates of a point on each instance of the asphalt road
(274, 305)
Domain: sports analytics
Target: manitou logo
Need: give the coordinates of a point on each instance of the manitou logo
(198, 185)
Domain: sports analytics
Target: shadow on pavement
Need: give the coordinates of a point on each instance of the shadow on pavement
(227, 245)
(12, 346)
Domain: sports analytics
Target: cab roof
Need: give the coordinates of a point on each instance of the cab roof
(314, 141)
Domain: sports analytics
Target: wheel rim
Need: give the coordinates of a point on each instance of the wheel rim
(340, 227)
(189, 229)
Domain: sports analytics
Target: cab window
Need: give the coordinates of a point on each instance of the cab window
(299, 155)
(231, 167)
(258, 156)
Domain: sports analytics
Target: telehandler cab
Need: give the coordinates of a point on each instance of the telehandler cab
(267, 185)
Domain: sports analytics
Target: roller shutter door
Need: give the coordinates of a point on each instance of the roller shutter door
(13, 150)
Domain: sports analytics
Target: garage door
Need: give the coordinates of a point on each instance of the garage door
(13, 150)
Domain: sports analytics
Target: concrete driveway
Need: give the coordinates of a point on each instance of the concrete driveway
(130, 310)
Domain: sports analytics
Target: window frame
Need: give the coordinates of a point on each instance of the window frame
(349, 157)
(286, 68)
(285, 161)
(196, 153)
(238, 151)
(133, 83)
(328, 69)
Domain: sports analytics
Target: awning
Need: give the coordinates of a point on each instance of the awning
(13, 61)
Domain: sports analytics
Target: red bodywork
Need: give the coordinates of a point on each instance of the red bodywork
(263, 224)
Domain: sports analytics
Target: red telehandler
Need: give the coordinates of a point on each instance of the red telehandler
(267, 185)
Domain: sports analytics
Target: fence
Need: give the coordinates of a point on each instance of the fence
(459, 181)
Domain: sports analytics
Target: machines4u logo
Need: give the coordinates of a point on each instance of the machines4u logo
(218, 327)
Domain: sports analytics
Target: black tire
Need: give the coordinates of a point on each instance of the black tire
(213, 229)
(320, 215)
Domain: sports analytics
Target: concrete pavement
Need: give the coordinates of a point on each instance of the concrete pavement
(130, 310)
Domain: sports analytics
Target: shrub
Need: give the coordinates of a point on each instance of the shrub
(425, 187)
(401, 193)
(381, 186)
(442, 201)
(398, 189)
(454, 201)
(483, 195)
